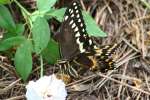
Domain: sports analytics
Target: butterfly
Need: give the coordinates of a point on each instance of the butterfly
(78, 48)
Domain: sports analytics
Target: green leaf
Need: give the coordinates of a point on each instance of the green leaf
(45, 5)
(9, 35)
(17, 32)
(23, 60)
(6, 20)
(58, 14)
(19, 29)
(5, 1)
(92, 27)
(10, 42)
(51, 52)
(36, 14)
(41, 34)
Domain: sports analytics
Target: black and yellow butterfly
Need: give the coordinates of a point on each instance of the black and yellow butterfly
(79, 52)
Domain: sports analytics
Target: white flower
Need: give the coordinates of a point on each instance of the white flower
(46, 88)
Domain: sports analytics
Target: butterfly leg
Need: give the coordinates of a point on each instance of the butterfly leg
(66, 71)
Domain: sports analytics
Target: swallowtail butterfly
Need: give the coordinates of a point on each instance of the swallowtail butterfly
(78, 48)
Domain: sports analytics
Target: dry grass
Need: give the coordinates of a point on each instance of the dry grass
(124, 20)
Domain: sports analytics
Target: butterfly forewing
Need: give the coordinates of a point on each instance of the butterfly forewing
(73, 37)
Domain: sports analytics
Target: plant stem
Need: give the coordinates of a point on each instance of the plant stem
(22, 8)
(41, 66)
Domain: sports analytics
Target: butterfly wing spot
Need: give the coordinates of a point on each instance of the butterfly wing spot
(77, 34)
(77, 11)
(94, 61)
(71, 22)
(79, 20)
(70, 10)
(110, 50)
(90, 41)
(66, 17)
(72, 15)
(110, 63)
(76, 29)
(74, 3)
(78, 15)
(82, 50)
(83, 30)
(78, 40)
(75, 7)
(73, 26)
(107, 54)
(95, 47)
(98, 51)
(84, 35)
(80, 45)
(81, 24)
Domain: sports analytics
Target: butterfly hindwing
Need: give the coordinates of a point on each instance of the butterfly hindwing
(105, 57)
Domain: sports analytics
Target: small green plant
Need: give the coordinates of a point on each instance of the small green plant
(38, 39)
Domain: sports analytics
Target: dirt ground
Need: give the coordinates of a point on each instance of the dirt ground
(125, 21)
